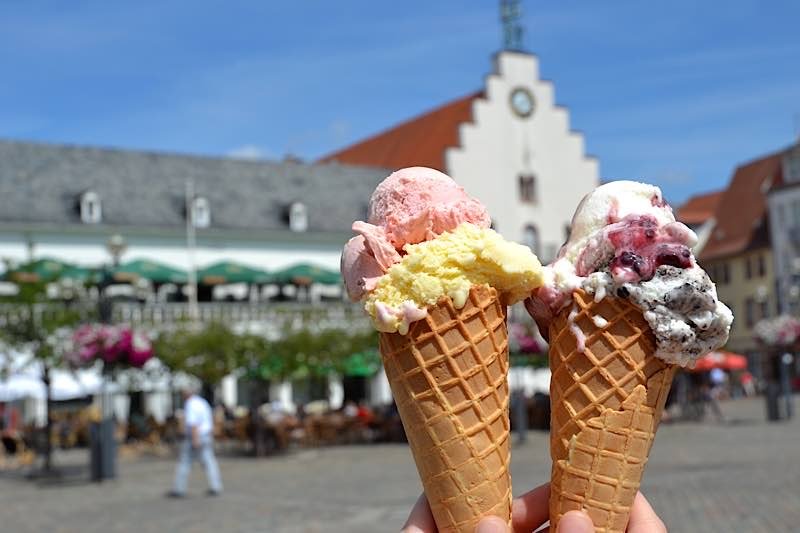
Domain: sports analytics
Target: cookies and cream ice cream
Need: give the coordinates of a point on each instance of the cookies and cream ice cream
(626, 243)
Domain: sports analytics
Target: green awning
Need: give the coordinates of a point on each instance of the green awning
(150, 270)
(40, 270)
(362, 364)
(84, 275)
(226, 272)
(305, 274)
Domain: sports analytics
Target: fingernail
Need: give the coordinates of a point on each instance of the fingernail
(575, 522)
(492, 524)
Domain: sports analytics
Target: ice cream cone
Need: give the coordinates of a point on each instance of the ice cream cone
(449, 378)
(606, 404)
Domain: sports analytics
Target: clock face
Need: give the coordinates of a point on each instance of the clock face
(522, 102)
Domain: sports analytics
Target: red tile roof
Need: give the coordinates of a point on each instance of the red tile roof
(421, 141)
(698, 208)
(741, 212)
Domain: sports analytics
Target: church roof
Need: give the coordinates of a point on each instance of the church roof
(41, 184)
(420, 141)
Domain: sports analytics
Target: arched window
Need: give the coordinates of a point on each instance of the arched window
(298, 217)
(201, 212)
(530, 238)
(91, 208)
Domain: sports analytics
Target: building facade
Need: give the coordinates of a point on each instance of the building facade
(738, 254)
(509, 144)
(784, 219)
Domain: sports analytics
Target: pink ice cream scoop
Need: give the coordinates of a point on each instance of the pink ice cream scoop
(410, 206)
(417, 204)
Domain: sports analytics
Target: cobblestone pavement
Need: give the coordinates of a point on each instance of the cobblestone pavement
(737, 477)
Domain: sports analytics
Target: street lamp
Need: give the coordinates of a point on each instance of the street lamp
(104, 448)
(116, 247)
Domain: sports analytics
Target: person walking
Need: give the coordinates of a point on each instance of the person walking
(197, 443)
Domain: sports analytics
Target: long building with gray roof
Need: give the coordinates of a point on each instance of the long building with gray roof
(65, 201)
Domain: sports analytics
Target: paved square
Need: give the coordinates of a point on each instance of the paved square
(738, 477)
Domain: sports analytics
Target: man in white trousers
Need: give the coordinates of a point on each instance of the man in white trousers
(198, 443)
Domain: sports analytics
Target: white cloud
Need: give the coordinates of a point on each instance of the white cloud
(249, 152)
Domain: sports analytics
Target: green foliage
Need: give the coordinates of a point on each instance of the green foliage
(214, 351)
(36, 324)
(209, 353)
(318, 354)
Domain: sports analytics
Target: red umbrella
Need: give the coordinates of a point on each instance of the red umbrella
(724, 360)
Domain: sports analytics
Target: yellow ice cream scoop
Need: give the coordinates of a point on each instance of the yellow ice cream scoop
(448, 266)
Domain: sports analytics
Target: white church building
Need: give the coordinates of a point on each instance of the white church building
(509, 144)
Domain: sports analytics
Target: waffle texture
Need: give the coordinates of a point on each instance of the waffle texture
(449, 378)
(606, 403)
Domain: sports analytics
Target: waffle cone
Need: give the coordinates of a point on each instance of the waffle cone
(449, 378)
(606, 404)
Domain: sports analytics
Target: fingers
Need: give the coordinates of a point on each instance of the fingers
(643, 518)
(531, 510)
(575, 522)
(492, 524)
(420, 520)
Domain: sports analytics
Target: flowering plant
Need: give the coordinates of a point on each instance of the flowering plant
(523, 340)
(114, 345)
(783, 330)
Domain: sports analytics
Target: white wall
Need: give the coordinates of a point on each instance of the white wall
(498, 146)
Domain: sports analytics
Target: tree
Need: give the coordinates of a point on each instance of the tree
(207, 352)
(42, 329)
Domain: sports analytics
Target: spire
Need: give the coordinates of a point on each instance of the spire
(511, 16)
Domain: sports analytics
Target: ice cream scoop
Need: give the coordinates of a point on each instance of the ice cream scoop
(449, 266)
(416, 204)
(626, 243)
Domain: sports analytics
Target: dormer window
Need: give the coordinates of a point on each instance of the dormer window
(298, 217)
(91, 208)
(201, 212)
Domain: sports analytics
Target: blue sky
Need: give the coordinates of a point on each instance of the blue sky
(676, 93)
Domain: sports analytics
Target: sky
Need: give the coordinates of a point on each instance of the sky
(676, 93)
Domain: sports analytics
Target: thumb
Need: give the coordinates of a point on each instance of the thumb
(492, 524)
(575, 522)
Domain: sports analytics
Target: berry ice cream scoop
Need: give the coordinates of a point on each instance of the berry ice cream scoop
(626, 243)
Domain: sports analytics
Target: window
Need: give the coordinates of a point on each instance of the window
(748, 268)
(750, 312)
(527, 188)
(725, 273)
(711, 270)
(763, 308)
(791, 166)
(762, 266)
(91, 208)
(530, 238)
(201, 212)
(298, 217)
